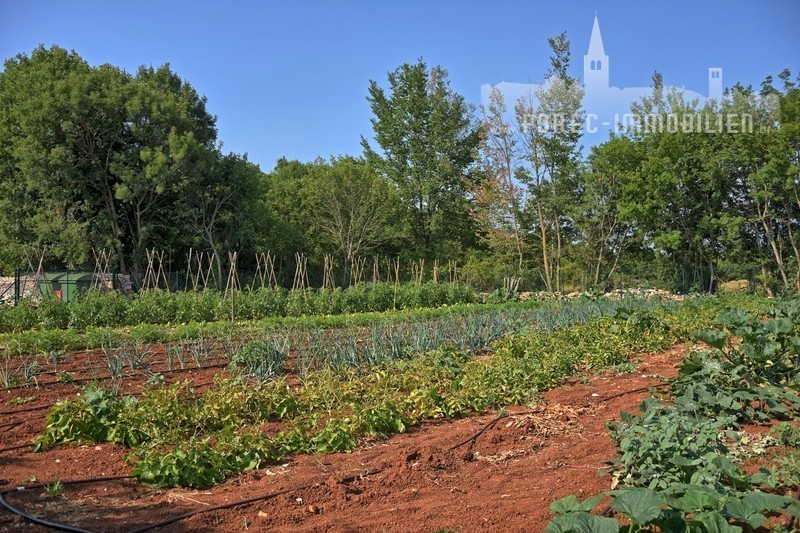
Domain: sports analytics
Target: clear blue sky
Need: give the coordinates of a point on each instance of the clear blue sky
(290, 78)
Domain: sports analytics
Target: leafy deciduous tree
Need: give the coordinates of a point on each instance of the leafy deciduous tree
(428, 143)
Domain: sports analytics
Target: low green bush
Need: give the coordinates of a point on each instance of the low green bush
(95, 309)
(675, 469)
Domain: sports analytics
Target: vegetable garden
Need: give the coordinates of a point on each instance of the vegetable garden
(194, 410)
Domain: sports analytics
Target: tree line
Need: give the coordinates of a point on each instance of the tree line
(96, 157)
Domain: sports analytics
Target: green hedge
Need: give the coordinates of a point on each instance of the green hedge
(159, 307)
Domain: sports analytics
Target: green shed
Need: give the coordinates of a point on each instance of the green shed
(66, 286)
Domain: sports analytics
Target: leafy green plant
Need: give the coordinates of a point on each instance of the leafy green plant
(175, 352)
(55, 357)
(155, 378)
(20, 400)
(115, 360)
(673, 459)
(199, 351)
(88, 419)
(665, 445)
(198, 464)
(51, 490)
(681, 508)
(29, 369)
(262, 359)
(786, 435)
(6, 373)
(769, 349)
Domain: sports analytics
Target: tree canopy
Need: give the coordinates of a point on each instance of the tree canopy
(96, 157)
(428, 143)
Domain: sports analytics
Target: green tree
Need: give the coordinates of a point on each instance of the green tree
(550, 124)
(285, 200)
(169, 137)
(601, 225)
(96, 156)
(501, 198)
(428, 145)
(351, 206)
(767, 162)
(34, 95)
(227, 210)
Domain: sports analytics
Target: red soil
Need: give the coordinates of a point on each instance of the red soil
(503, 481)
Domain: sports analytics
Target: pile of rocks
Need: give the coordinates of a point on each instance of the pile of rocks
(664, 296)
(617, 294)
(29, 289)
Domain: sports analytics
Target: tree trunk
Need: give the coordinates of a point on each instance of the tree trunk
(557, 258)
(548, 280)
(765, 280)
(597, 268)
(116, 232)
(346, 267)
(796, 255)
(775, 252)
(711, 276)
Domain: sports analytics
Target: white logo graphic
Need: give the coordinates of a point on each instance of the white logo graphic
(608, 108)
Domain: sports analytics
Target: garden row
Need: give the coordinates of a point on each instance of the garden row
(178, 436)
(374, 343)
(95, 309)
(274, 346)
(680, 462)
(44, 340)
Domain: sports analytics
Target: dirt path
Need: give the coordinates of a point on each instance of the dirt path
(504, 481)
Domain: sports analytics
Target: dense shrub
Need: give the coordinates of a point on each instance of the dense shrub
(159, 307)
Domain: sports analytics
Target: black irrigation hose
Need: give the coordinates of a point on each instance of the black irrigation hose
(640, 389)
(474, 437)
(40, 521)
(12, 448)
(103, 367)
(217, 508)
(62, 527)
(133, 376)
(28, 409)
(244, 502)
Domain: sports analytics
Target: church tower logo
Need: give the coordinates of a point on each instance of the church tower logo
(595, 62)
(606, 107)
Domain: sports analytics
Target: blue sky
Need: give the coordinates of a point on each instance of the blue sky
(290, 78)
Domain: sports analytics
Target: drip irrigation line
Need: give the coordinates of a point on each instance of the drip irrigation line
(38, 384)
(151, 363)
(19, 447)
(640, 389)
(63, 527)
(134, 376)
(69, 482)
(27, 409)
(474, 437)
(42, 522)
(217, 508)
(12, 424)
(261, 498)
